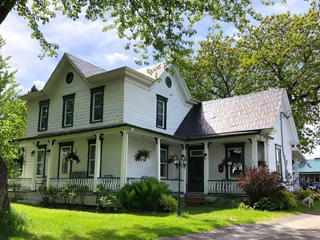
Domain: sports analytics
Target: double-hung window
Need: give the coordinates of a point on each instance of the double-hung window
(96, 112)
(41, 158)
(161, 112)
(68, 109)
(235, 153)
(279, 159)
(164, 163)
(91, 157)
(43, 115)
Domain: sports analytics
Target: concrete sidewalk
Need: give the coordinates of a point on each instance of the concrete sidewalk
(295, 227)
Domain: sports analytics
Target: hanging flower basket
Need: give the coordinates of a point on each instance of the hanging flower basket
(142, 155)
(72, 156)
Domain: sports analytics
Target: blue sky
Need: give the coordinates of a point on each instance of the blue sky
(86, 40)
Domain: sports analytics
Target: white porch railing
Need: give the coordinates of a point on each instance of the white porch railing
(224, 187)
(174, 184)
(112, 183)
(21, 183)
(59, 183)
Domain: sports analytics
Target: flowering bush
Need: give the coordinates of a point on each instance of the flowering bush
(261, 184)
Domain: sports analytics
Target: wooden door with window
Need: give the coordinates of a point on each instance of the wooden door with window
(64, 171)
(195, 174)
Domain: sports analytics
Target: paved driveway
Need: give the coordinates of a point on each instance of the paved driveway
(295, 227)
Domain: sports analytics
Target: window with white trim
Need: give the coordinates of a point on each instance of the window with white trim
(164, 163)
(279, 160)
(41, 157)
(91, 160)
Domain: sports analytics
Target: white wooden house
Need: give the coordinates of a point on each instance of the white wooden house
(106, 116)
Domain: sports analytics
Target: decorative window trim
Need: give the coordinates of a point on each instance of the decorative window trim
(164, 101)
(235, 145)
(65, 99)
(93, 92)
(41, 104)
(42, 148)
(64, 144)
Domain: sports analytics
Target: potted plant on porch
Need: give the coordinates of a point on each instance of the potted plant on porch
(142, 155)
(72, 156)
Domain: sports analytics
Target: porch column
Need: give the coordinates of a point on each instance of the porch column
(206, 167)
(254, 153)
(158, 157)
(49, 161)
(184, 152)
(296, 168)
(33, 180)
(124, 158)
(97, 162)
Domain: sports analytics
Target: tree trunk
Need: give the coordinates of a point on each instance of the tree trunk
(4, 200)
(5, 7)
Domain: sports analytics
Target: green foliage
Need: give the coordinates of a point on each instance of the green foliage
(261, 184)
(282, 51)
(302, 194)
(68, 194)
(12, 116)
(288, 199)
(226, 200)
(167, 203)
(268, 204)
(143, 196)
(109, 201)
(12, 223)
(161, 29)
(244, 206)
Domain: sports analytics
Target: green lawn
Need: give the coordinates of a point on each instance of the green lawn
(64, 224)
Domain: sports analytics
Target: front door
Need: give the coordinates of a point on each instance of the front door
(195, 174)
(64, 163)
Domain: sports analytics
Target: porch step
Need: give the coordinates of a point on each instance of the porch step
(193, 199)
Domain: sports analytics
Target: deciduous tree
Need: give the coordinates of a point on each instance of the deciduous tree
(282, 51)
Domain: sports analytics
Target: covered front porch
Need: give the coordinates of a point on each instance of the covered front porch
(107, 158)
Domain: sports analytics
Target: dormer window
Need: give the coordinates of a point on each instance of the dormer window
(161, 112)
(43, 115)
(68, 109)
(96, 112)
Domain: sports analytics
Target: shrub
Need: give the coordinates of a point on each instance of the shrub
(226, 200)
(288, 200)
(244, 206)
(268, 204)
(143, 196)
(167, 203)
(302, 194)
(81, 192)
(108, 200)
(11, 223)
(261, 184)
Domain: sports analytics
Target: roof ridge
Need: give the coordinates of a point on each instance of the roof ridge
(246, 95)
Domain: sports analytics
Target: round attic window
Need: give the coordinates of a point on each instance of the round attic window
(69, 77)
(168, 82)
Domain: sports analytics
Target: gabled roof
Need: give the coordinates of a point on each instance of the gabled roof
(310, 166)
(250, 112)
(154, 71)
(87, 69)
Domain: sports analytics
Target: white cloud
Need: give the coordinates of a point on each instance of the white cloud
(115, 57)
(39, 84)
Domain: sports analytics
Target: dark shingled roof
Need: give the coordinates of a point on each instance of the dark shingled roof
(245, 113)
(86, 68)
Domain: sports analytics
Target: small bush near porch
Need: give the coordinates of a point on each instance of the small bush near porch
(65, 224)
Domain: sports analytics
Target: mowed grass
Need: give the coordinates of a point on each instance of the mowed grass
(65, 224)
